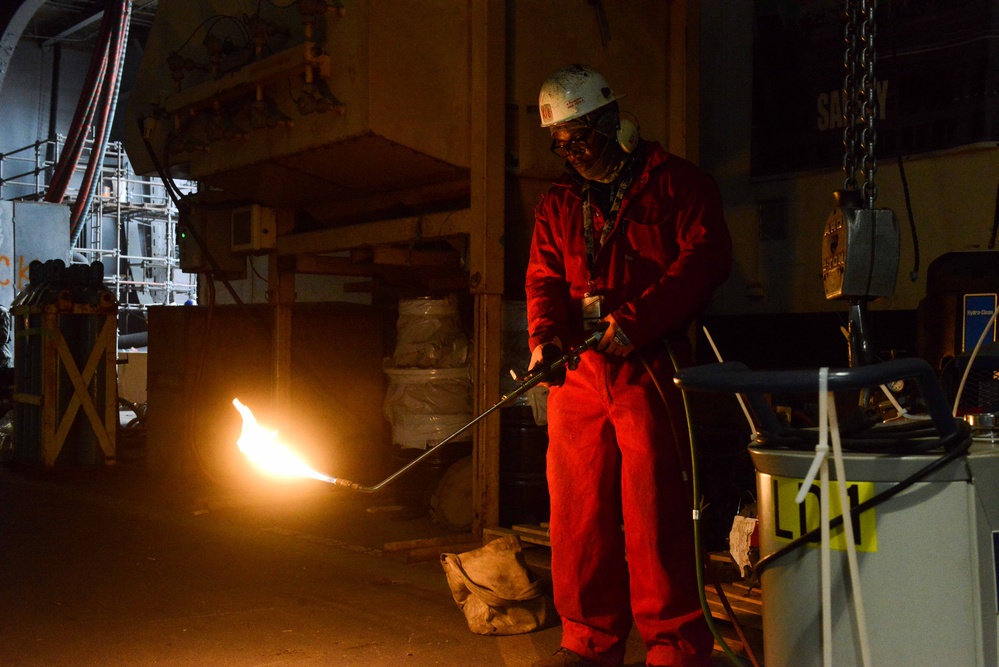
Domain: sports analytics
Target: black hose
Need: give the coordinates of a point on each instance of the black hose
(693, 487)
(914, 274)
(871, 442)
(137, 339)
(177, 197)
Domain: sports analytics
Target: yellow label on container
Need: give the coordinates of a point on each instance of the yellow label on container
(791, 520)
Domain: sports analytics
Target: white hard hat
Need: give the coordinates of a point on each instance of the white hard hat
(573, 92)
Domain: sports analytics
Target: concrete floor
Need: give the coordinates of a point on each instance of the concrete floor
(113, 567)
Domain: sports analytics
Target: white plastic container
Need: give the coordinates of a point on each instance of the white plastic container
(429, 335)
(426, 405)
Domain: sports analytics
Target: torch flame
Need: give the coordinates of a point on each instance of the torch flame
(262, 448)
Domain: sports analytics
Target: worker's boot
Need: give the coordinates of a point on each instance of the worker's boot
(566, 658)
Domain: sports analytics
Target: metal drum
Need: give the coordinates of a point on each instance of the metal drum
(523, 484)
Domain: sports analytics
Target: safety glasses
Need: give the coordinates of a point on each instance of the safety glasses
(575, 147)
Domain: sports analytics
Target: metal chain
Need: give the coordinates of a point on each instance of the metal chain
(868, 86)
(850, 103)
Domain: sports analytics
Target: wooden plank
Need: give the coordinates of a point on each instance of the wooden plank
(486, 434)
(745, 619)
(405, 257)
(496, 531)
(746, 605)
(29, 399)
(534, 539)
(530, 529)
(487, 216)
(332, 266)
(362, 287)
(445, 540)
(431, 548)
(527, 537)
(399, 230)
(81, 382)
(741, 604)
(426, 554)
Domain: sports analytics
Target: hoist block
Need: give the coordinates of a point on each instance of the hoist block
(860, 253)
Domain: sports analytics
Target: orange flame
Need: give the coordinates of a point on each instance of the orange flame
(262, 448)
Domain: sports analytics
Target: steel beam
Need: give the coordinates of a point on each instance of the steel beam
(12, 33)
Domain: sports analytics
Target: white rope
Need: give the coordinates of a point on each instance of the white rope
(742, 404)
(851, 547)
(820, 464)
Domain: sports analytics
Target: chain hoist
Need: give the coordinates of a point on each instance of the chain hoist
(868, 93)
(850, 97)
(860, 103)
(860, 246)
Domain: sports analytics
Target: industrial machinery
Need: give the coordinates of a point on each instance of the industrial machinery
(924, 513)
(304, 105)
(892, 558)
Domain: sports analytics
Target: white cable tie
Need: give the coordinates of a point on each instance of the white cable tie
(822, 448)
(697, 515)
(891, 399)
(821, 454)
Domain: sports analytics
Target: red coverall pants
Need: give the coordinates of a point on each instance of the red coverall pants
(613, 456)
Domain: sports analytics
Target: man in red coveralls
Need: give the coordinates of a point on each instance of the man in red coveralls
(634, 239)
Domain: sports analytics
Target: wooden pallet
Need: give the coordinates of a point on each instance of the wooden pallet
(529, 533)
(747, 604)
(428, 549)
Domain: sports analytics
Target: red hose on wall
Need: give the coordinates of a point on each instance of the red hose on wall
(106, 107)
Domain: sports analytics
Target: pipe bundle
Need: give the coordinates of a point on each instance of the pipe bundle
(95, 111)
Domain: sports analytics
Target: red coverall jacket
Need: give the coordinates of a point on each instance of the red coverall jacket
(613, 442)
(656, 272)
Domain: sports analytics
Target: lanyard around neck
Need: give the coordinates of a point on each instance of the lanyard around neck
(611, 220)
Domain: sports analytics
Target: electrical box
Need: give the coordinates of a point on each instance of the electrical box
(254, 228)
(212, 228)
(860, 252)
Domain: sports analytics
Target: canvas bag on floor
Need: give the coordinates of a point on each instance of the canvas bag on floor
(493, 589)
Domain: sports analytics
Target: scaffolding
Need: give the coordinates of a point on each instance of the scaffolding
(129, 226)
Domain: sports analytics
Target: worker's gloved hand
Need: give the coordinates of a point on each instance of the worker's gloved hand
(542, 357)
(614, 341)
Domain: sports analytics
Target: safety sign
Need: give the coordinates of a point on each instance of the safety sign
(791, 520)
